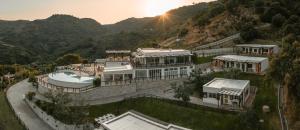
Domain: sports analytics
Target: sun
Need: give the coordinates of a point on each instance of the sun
(159, 7)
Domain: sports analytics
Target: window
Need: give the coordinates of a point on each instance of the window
(236, 97)
(141, 74)
(183, 71)
(205, 95)
(155, 73)
(231, 97)
(171, 72)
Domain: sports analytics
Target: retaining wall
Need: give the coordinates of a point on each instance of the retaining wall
(55, 124)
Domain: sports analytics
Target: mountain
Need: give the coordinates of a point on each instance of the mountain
(45, 39)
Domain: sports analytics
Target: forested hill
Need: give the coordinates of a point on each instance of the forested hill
(43, 40)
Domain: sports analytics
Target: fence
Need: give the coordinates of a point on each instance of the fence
(214, 52)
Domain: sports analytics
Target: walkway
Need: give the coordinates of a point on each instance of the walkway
(280, 107)
(15, 95)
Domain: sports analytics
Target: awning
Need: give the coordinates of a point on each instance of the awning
(231, 92)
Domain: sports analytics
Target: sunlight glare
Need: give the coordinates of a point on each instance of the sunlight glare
(159, 7)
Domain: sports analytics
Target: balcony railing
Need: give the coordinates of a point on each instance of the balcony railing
(161, 65)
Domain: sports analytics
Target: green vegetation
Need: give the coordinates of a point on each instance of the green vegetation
(190, 116)
(59, 109)
(201, 60)
(69, 59)
(266, 95)
(8, 120)
(97, 82)
(248, 32)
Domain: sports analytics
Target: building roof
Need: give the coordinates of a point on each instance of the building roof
(256, 45)
(241, 58)
(118, 51)
(100, 60)
(222, 83)
(133, 120)
(117, 68)
(152, 52)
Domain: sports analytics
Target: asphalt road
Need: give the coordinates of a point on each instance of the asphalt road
(15, 95)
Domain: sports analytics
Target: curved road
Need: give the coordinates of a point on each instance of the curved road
(15, 95)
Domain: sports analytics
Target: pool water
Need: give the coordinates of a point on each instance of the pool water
(70, 77)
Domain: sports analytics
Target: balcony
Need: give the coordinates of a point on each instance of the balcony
(161, 65)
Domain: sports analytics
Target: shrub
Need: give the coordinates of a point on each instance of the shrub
(216, 10)
(259, 6)
(30, 95)
(231, 5)
(248, 32)
(278, 20)
(183, 32)
(69, 59)
(97, 82)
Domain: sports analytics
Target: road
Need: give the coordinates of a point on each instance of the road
(15, 95)
(225, 40)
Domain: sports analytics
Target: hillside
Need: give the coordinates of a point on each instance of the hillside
(45, 39)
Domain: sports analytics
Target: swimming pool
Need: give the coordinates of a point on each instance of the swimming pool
(70, 77)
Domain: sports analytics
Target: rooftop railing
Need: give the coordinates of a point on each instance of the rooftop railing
(152, 65)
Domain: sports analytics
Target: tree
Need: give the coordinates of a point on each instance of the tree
(197, 81)
(278, 20)
(248, 32)
(233, 74)
(182, 91)
(69, 59)
(259, 6)
(231, 5)
(97, 82)
(58, 104)
(216, 10)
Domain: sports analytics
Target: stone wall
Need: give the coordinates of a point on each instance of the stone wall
(102, 95)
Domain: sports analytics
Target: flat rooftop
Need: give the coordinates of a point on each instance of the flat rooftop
(227, 83)
(153, 52)
(256, 45)
(133, 120)
(117, 68)
(241, 58)
(118, 51)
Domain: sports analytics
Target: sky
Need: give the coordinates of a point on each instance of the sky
(104, 11)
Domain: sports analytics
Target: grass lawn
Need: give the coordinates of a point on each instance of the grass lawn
(190, 116)
(201, 60)
(8, 121)
(197, 117)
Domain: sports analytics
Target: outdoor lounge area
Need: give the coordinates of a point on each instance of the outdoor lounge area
(226, 92)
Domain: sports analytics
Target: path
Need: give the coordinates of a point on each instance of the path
(15, 95)
(283, 120)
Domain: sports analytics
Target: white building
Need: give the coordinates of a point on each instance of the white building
(257, 49)
(133, 120)
(145, 64)
(226, 92)
(117, 74)
(150, 63)
(244, 63)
